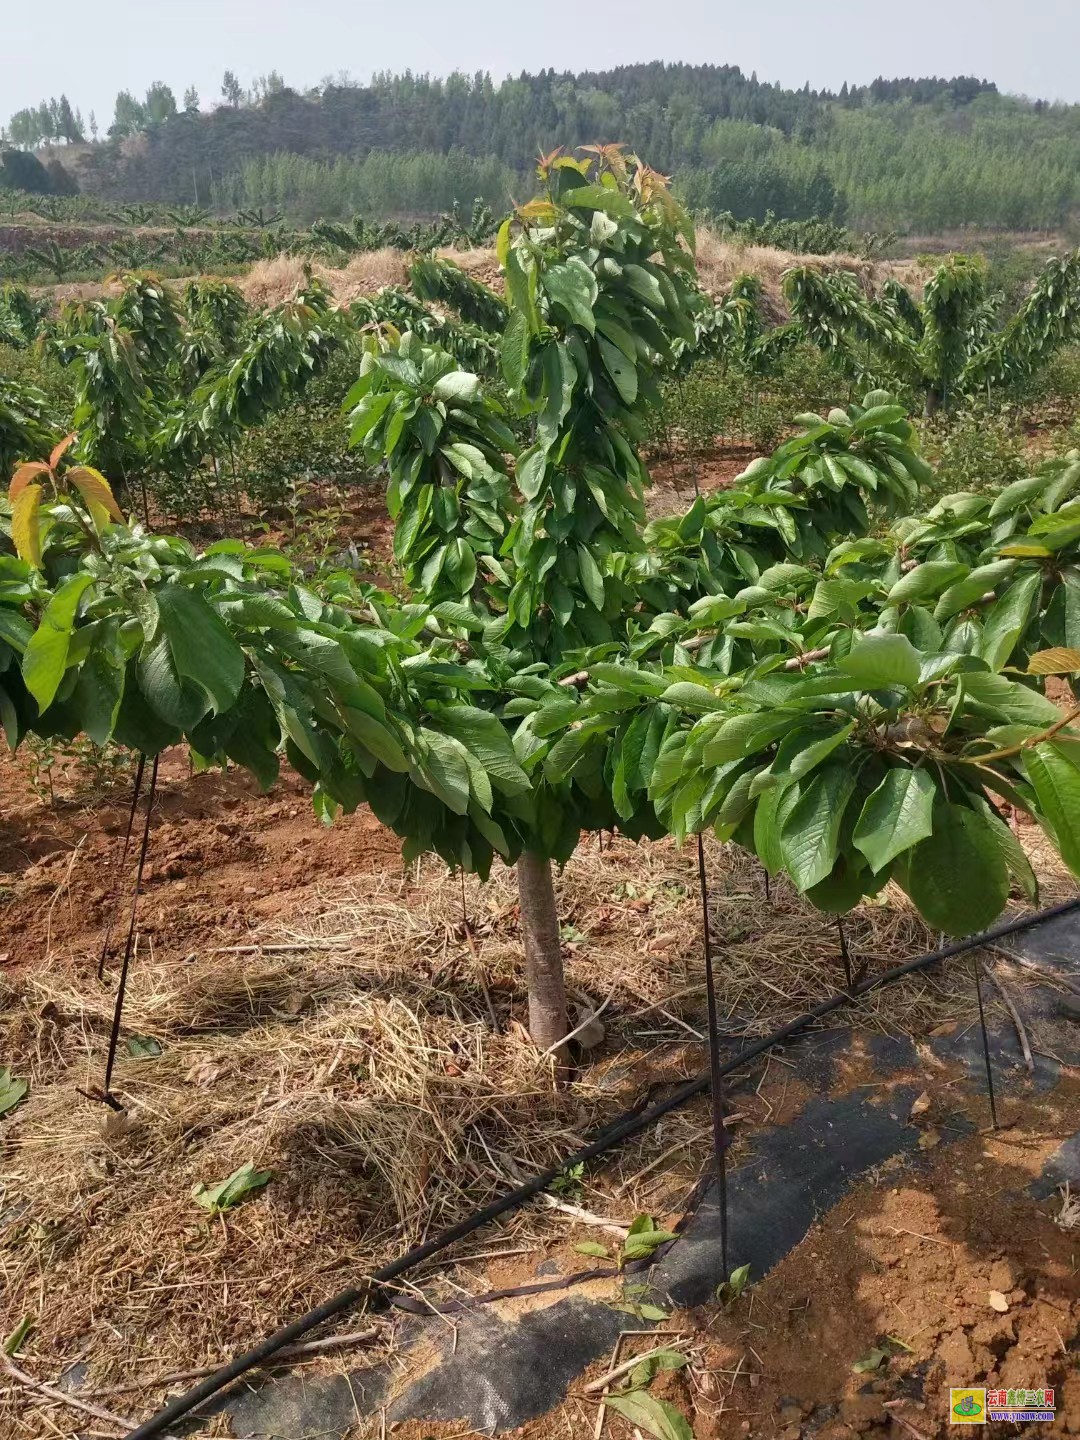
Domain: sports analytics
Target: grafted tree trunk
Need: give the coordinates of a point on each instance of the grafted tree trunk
(543, 952)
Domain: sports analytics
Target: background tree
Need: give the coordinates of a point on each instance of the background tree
(232, 92)
(160, 104)
(191, 100)
(129, 116)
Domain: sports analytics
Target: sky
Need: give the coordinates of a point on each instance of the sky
(90, 53)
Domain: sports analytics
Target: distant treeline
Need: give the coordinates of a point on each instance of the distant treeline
(907, 154)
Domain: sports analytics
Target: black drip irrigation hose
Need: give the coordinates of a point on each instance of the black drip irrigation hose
(617, 1132)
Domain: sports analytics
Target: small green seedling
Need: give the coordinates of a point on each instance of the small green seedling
(643, 1237)
(730, 1289)
(569, 1183)
(11, 1091)
(240, 1184)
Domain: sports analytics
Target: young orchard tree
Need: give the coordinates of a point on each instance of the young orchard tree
(955, 342)
(599, 287)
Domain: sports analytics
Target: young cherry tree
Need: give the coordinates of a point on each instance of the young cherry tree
(539, 573)
(952, 343)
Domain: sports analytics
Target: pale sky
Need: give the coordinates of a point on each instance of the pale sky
(92, 51)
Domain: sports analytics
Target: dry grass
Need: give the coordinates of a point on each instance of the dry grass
(720, 260)
(353, 1053)
(269, 282)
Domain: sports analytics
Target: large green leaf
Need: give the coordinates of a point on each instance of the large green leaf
(485, 737)
(591, 578)
(972, 588)
(649, 1413)
(45, 657)
(896, 816)
(925, 580)
(958, 877)
(1006, 699)
(811, 831)
(445, 771)
(203, 650)
(573, 288)
(1007, 620)
(881, 662)
(98, 692)
(1056, 780)
(177, 701)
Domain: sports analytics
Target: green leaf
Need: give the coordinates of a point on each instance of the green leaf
(872, 1360)
(746, 734)
(896, 816)
(572, 287)
(514, 350)
(239, 1185)
(14, 1341)
(1008, 700)
(459, 387)
(925, 580)
(622, 371)
(802, 751)
(1016, 495)
(881, 662)
(485, 737)
(590, 1247)
(651, 1364)
(1007, 620)
(446, 771)
(99, 689)
(11, 1091)
(591, 578)
(640, 1244)
(957, 877)
(648, 1413)
(175, 700)
(376, 737)
(45, 658)
(1056, 781)
(203, 650)
(811, 832)
(972, 588)
(143, 1047)
(688, 695)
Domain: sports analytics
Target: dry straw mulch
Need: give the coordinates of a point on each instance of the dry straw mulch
(353, 1052)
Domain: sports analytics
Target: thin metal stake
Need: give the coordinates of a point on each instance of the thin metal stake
(122, 988)
(768, 885)
(845, 954)
(123, 858)
(721, 1139)
(985, 1040)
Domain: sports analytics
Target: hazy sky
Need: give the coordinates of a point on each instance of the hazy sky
(91, 52)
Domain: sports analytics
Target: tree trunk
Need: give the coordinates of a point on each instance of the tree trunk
(543, 953)
(932, 403)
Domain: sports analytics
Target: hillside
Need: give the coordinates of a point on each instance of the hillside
(907, 154)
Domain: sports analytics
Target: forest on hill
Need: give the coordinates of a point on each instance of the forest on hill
(906, 154)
